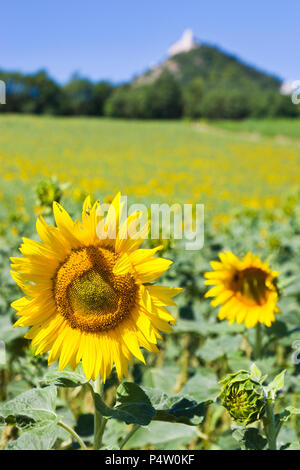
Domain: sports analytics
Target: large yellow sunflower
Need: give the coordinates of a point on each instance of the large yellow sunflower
(245, 287)
(88, 291)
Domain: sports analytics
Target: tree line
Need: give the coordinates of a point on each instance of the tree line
(164, 98)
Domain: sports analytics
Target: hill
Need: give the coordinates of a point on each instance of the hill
(217, 68)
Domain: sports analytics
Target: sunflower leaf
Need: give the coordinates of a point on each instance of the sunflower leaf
(291, 446)
(41, 438)
(249, 438)
(255, 372)
(33, 408)
(141, 405)
(64, 378)
(221, 346)
(132, 405)
(202, 386)
(7, 332)
(176, 408)
(275, 386)
(163, 436)
(287, 413)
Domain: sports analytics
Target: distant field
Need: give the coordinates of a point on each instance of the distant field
(156, 160)
(266, 127)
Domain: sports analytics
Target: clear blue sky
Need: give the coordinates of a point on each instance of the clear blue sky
(117, 39)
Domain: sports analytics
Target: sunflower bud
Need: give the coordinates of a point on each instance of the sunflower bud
(243, 397)
(47, 192)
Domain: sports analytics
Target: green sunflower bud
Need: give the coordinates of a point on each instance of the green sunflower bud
(243, 397)
(47, 192)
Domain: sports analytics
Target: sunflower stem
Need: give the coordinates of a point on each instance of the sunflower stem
(129, 435)
(73, 434)
(258, 343)
(270, 426)
(99, 421)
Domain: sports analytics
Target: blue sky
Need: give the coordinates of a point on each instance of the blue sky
(117, 39)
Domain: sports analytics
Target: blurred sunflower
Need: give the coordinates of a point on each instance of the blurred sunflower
(87, 290)
(245, 288)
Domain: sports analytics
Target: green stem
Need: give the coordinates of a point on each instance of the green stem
(270, 426)
(257, 347)
(73, 434)
(128, 436)
(99, 421)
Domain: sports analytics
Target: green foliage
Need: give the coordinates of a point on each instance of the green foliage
(36, 93)
(64, 378)
(40, 94)
(225, 104)
(159, 100)
(42, 438)
(275, 386)
(132, 405)
(193, 96)
(86, 98)
(177, 408)
(163, 435)
(136, 405)
(34, 407)
(249, 438)
(202, 386)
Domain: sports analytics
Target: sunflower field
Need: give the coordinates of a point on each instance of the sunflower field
(111, 340)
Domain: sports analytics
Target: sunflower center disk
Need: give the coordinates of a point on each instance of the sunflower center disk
(87, 292)
(250, 284)
(91, 294)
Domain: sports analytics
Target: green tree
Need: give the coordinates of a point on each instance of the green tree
(225, 104)
(79, 96)
(165, 98)
(282, 106)
(192, 98)
(161, 99)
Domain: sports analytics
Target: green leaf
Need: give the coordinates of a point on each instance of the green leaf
(164, 436)
(202, 386)
(275, 386)
(220, 346)
(191, 326)
(34, 407)
(17, 387)
(67, 417)
(177, 408)
(114, 434)
(227, 441)
(141, 405)
(287, 413)
(293, 288)
(7, 332)
(42, 438)
(64, 378)
(255, 372)
(293, 446)
(286, 435)
(293, 411)
(238, 360)
(132, 405)
(249, 438)
(164, 378)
